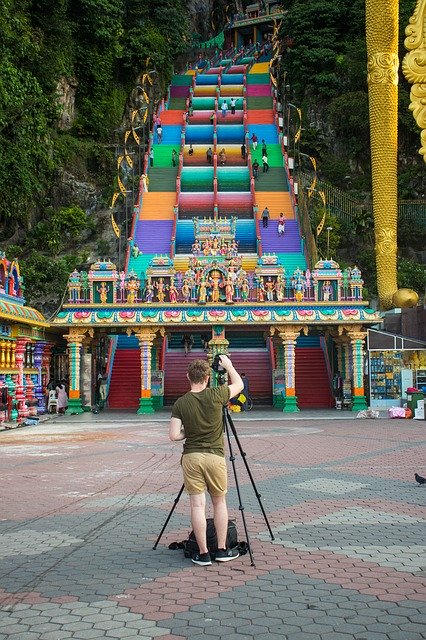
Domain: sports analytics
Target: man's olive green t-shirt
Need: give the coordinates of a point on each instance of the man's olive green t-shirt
(202, 417)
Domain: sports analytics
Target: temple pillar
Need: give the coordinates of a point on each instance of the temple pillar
(217, 345)
(146, 338)
(75, 341)
(289, 335)
(357, 341)
(38, 389)
(20, 347)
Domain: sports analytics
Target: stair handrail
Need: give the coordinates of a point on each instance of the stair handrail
(164, 345)
(324, 347)
(346, 207)
(270, 346)
(110, 361)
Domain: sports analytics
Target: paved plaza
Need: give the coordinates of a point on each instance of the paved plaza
(83, 499)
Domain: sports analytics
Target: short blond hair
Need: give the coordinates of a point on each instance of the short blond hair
(198, 371)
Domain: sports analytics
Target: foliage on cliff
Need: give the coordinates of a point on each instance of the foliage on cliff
(102, 45)
(324, 69)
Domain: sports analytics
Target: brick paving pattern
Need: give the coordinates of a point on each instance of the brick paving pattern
(82, 505)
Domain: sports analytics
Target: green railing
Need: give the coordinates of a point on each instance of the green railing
(217, 41)
(346, 208)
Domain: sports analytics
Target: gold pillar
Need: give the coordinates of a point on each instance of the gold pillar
(382, 79)
(414, 68)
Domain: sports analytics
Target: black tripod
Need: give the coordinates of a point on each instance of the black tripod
(228, 426)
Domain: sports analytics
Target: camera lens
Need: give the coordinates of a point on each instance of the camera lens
(216, 363)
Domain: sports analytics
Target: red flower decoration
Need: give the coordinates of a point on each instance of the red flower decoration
(261, 314)
(350, 312)
(127, 314)
(172, 314)
(217, 314)
(305, 312)
(82, 314)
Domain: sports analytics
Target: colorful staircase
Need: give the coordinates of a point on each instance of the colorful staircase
(195, 188)
(313, 389)
(124, 388)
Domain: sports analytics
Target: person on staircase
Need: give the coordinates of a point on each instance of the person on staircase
(255, 169)
(281, 224)
(243, 151)
(265, 163)
(254, 140)
(159, 134)
(222, 157)
(232, 104)
(265, 217)
(209, 155)
(174, 158)
(188, 342)
(224, 108)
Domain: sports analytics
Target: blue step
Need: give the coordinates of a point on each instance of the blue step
(266, 132)
(308, 341)
(245, 235)
(127, 342)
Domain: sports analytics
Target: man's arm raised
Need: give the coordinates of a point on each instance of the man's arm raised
(234, 377)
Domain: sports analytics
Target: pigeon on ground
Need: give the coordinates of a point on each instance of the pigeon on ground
(419, 479)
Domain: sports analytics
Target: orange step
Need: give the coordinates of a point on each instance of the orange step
(276, 201)
(157, 205)
(260, 116)
(173, 116)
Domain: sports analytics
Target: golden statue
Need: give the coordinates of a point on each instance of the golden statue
(414, 68)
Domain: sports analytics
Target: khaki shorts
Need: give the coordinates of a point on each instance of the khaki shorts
(203, 471)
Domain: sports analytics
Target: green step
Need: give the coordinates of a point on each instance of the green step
(140, 264)
(264, 102)
(163, 155)
(275, 155)
(162, 179)
(257, 78)
(291, 261)
(274, 180)
(197, 179)
(182, 81)
(177, 103)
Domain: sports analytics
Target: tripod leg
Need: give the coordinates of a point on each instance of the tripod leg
(243, 455)
(240, 505)
(169, 516)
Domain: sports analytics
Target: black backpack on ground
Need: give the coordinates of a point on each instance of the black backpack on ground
(190, 546)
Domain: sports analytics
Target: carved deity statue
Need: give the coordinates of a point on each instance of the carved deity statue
(103, 292)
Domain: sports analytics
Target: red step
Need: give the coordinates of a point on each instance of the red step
(313, 389)
(124, 388)
(255, 363)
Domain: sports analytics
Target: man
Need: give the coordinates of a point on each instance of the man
(232, 104)
(197, 418)
(255, 169)
(209, 154)
(265, 163)
(265, 217)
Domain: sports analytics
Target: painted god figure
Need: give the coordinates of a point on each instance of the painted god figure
(173, 292)
(327, 291)
(161, 289)
(103, 292)
(229, 291)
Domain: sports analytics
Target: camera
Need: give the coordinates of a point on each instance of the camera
(216, 364)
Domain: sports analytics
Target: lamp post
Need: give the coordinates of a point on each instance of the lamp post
(328, 240)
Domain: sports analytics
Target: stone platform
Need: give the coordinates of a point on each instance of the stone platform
(84, 499)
